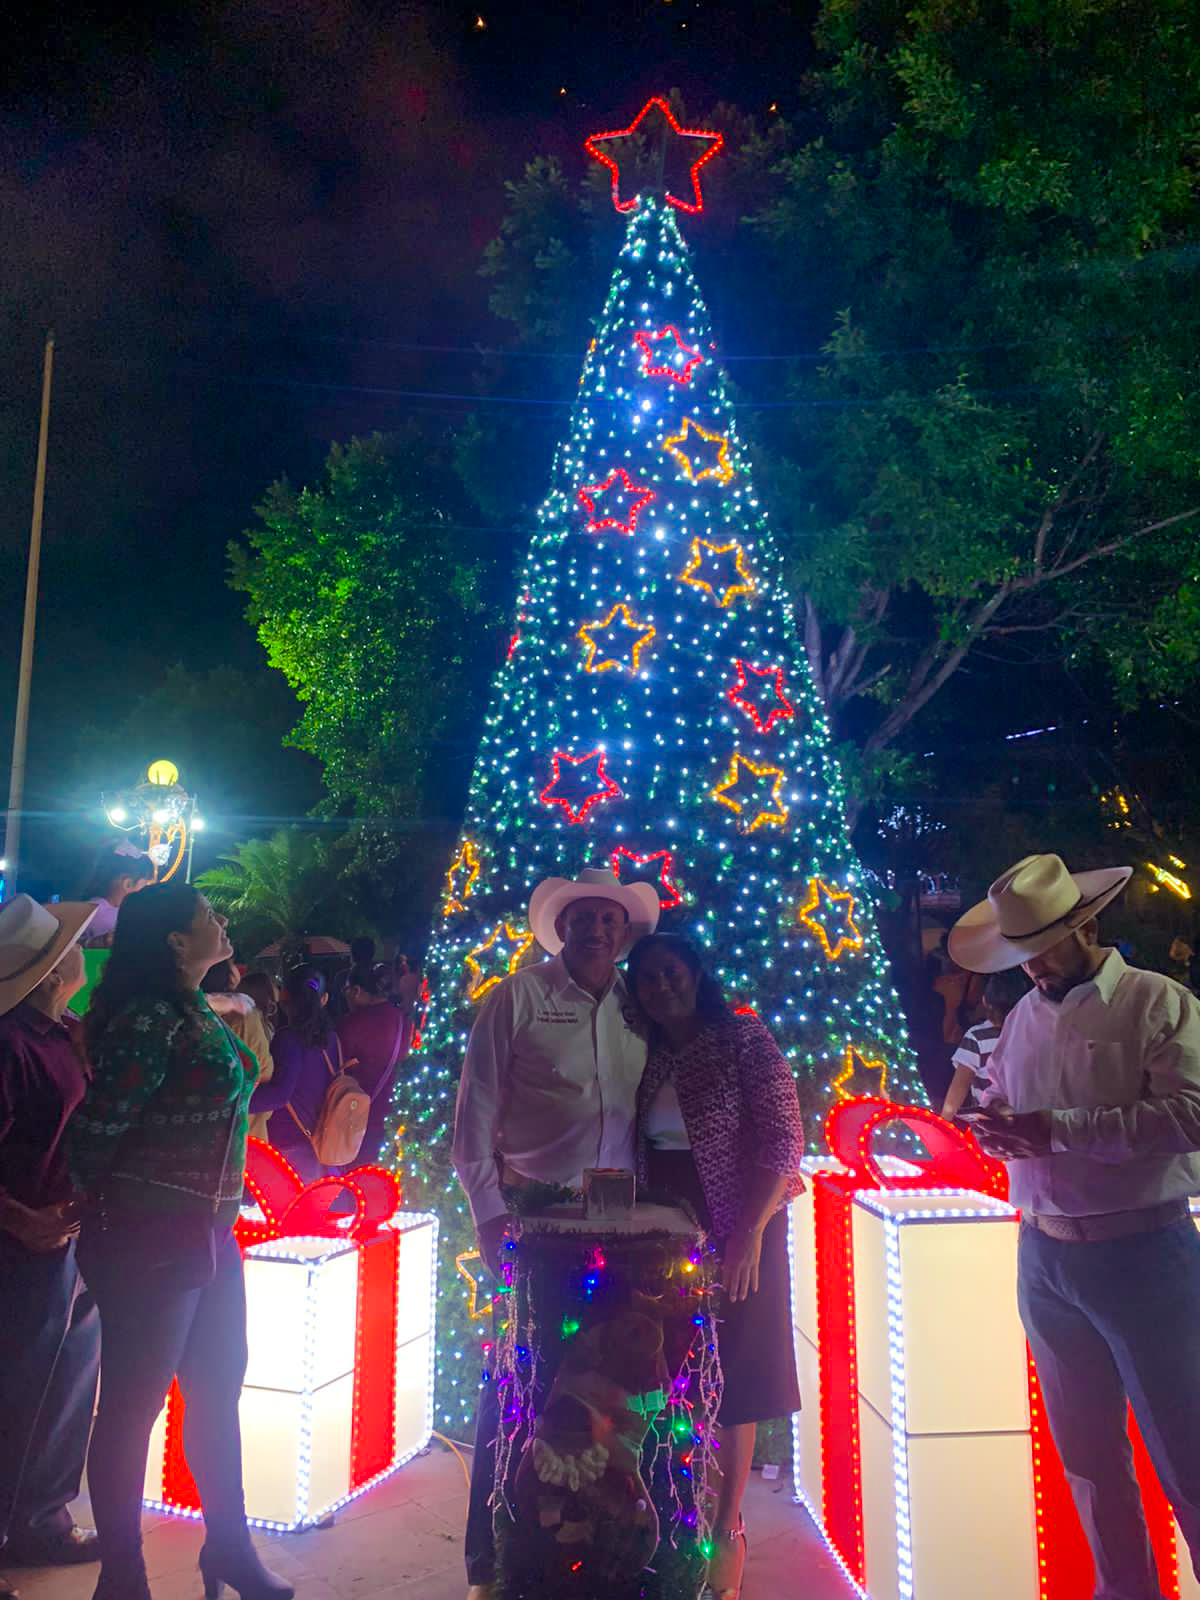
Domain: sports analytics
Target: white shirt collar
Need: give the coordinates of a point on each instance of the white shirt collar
(560, 978)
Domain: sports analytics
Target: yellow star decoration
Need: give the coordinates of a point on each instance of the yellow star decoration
(519, 940)
(849, 1083)
(814, 917)
(729, 591)
(460, 878)
(722, 469)
(642, 632)
(774, 811)
(474, 1310)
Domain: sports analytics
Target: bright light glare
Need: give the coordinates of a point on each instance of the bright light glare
(118, 814)
(162, 815)
(198, 824)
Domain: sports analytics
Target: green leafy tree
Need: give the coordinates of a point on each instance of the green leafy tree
(282, 887)
(371, 593)
(976, 419)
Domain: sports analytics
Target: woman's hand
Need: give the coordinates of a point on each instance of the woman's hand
(739, 1274)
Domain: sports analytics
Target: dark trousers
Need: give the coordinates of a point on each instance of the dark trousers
(49, 1358)
(1109, 1321)
(480, 1542)
(152, 1333)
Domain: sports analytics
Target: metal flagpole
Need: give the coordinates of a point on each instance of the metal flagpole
(16, 783)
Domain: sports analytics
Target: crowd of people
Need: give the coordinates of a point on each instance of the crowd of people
(123, 1144)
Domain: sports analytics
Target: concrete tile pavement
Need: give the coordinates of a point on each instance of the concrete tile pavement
(403, 1541)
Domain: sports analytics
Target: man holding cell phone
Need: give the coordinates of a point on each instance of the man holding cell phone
(1094, 1104)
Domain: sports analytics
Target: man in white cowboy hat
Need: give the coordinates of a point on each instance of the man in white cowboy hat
(49, 1332)
(1094, 1103)
(549, 1088)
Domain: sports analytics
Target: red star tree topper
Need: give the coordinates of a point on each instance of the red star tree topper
(619, 146)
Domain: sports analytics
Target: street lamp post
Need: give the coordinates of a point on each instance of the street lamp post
(164, 813)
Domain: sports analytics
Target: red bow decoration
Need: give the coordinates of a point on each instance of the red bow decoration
(294, 1209)
(955, 1161)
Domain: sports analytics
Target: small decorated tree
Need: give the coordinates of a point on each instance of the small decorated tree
(655, 714)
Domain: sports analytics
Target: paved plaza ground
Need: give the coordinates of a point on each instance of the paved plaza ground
(402, 1541)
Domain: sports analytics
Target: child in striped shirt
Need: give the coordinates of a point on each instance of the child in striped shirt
(970, 1059)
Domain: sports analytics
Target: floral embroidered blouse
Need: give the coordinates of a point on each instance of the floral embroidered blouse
(163, 1124)
(740, 1109)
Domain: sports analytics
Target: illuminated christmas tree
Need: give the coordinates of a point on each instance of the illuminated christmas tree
(655, 714)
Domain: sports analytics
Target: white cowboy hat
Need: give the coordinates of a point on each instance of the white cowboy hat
(553, 895)
(1029, 909)
(33, 940)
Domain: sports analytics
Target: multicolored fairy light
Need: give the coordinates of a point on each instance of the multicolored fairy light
(717, 466)
(829, 914)
(616, 641)
(628, 497)
(702, 565)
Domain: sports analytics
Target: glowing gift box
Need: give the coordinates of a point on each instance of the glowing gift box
(338, 1390)
(925, 1458)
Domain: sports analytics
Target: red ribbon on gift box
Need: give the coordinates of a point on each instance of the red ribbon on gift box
(292, 1209)
(954, 1160)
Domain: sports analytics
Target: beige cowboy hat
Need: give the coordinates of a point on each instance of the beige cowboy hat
(1029, 909)
(33, 940)
(553, 895)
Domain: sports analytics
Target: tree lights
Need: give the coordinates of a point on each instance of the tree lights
(695, 462)
(581, 763)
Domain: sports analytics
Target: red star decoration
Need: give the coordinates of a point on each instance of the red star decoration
(763, 712)
(706, 149)
(667, 366)
(576, 799)
(598, 521)
(668, 893)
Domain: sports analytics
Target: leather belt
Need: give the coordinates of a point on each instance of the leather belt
(1107, 1225)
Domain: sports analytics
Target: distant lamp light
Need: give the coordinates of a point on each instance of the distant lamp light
(1168, 880)
(163, 774)
(480, 23)
(3, 863)
(198, 824)
(162, 816)
(118, 815)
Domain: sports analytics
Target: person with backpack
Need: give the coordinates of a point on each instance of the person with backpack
(318, 1110)
(375, 1034)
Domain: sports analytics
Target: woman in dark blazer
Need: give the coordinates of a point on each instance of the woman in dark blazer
(719, 1126)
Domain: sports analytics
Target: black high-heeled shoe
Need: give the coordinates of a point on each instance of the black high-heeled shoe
(122, 1581)
(241, 1569)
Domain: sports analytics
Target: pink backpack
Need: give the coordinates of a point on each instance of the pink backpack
(342, 1120)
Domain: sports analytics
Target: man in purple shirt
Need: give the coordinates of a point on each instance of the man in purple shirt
(49, 1333)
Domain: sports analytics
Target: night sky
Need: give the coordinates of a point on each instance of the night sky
(247, 225)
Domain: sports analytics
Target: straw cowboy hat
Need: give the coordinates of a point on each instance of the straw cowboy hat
(553, 895)
(33, 940)
(1029, 909)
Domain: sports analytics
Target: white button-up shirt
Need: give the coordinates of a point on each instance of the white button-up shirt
(1117, 1064)
(549, 1084)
